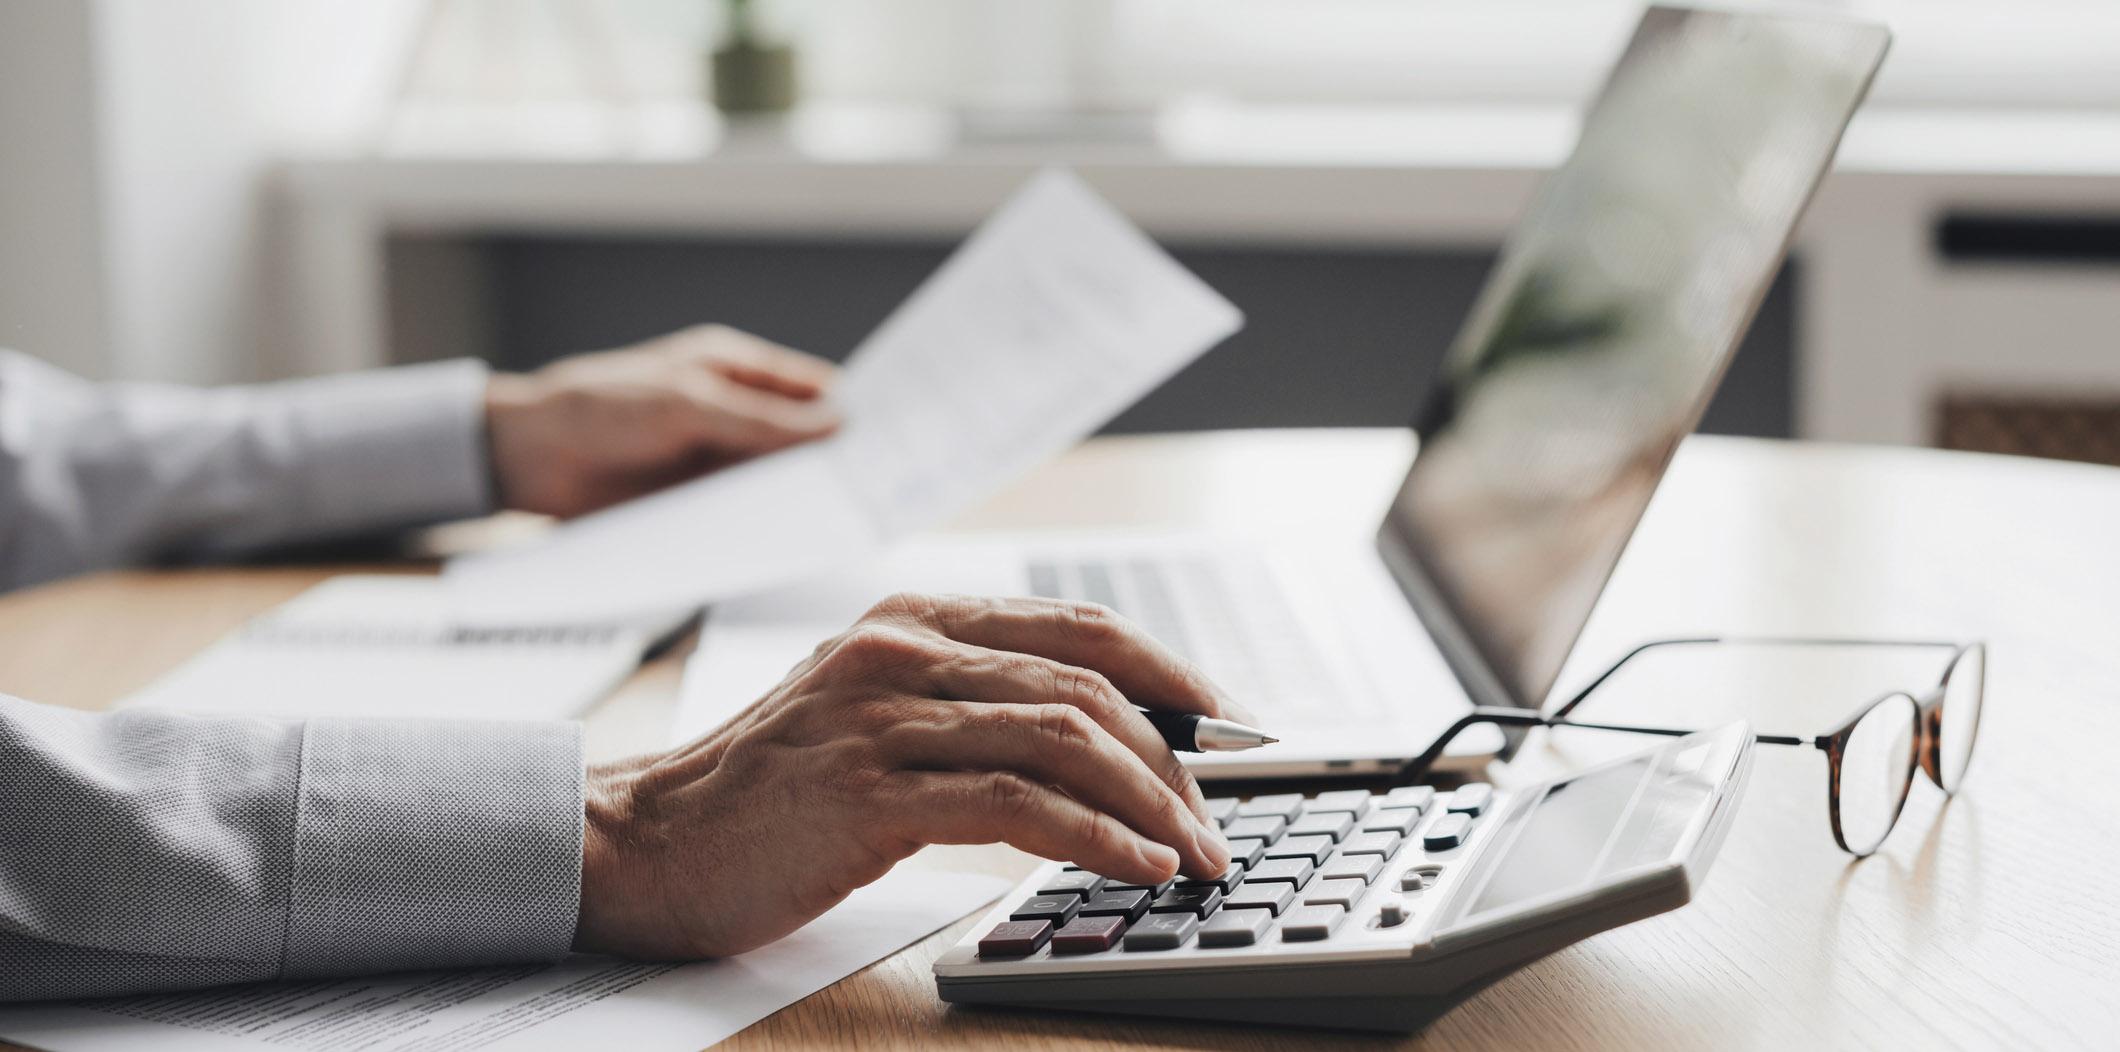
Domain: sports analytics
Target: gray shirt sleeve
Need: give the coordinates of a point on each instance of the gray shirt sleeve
(100, 475)
(144, 850)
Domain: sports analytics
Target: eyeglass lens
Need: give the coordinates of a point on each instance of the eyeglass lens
(1876, 764)
(1962, 698)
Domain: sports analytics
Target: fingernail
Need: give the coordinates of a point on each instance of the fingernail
(1212, 844)
(1159, 857)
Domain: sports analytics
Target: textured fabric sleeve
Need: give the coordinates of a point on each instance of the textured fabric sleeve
(144, 850)
(101, 475)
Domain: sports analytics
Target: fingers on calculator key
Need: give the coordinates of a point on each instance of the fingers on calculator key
(1314, 848)
(1310, 923)
(1230, 878)
(1128, 904)
(1246, 852)
(1088, 935)
(1015, 938)
(1236, 927)
(1471, 798)
(986, 807)
(1270, 897)
(1162, 931)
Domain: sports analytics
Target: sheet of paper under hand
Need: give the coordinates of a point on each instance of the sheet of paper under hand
(1052, 318)
(566, 1007)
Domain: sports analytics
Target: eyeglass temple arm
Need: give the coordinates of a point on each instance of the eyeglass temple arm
(1413, 769)
(1786, 641)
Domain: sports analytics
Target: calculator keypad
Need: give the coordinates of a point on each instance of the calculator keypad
(1302, 865)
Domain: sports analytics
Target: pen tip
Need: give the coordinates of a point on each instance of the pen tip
(1266, 740)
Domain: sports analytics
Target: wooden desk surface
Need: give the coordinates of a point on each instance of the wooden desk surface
(1991, 921)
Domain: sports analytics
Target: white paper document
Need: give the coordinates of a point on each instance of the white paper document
(1052, 318)
(583, 1003)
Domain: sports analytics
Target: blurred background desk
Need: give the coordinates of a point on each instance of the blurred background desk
(1983, 923)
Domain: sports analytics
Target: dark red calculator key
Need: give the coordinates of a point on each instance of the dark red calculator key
(1015, 938)
(1089, 935)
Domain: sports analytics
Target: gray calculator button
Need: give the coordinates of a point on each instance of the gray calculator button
(1230, 878)
(1400, 820)
(1335, 824)
(1352, 801)
(1447, 832)
(1247, 852)
(1222, 809)
(1294, 871)
(1273, 897)
(1361, 867)
(1309, 923)
(1392, 914)
(1162, 931)
(1315, 848)
(1277, 805)
(1256, 827)
(1235, 927)
(1075, 882)
(1377, 842)
(1413, 880)
(1471, 798)
(1418, 797)
(1341, 893)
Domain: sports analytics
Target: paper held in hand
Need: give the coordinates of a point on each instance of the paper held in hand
(1052, 318)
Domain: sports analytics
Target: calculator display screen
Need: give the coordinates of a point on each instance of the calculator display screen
(1576, 832)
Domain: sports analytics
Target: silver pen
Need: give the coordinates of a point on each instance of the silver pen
(1192, 732)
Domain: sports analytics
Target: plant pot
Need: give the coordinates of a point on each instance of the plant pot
(751, 78)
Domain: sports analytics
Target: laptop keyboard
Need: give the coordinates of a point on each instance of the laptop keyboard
(1225, 614)
(1299, 867)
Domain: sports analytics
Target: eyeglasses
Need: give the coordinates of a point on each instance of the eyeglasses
(1870, 758)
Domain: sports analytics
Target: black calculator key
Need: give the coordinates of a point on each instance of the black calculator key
(1278, 805)
(1363, 867)
(1222, 809)
(1152, 889)
(1015, 938)
(1471, 798)
(1128, 904)
(1199, 901)
(1418, 797)
(1310, 923)
(1335, 824)
(1088, 935)
(1314, 848)
(1382, 842)
(1162, 931)
(1256, 827)
(1230, 878)
(1447, 832)
(1294, 871)
(1247, 852)
(1056, 908)
(1352, 801)
(1400, 820)
(1269, 898)
(1236, 927)
(1077, 882)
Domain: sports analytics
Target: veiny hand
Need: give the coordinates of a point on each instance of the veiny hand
(934, 720)
(597, 429)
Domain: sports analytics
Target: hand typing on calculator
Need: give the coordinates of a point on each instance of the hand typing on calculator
(933, 720)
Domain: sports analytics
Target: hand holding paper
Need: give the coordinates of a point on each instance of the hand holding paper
(1052, 318)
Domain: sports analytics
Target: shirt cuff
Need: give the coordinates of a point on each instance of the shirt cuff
(393, 447)
(434, 844)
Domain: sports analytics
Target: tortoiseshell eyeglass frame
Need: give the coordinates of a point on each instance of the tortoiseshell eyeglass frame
(1927, 729)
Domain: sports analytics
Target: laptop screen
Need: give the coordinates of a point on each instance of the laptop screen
(1605, 326)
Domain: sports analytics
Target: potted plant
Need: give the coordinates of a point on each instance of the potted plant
(750, 74)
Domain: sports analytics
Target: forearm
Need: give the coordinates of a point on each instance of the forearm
(148, 851)
(108, 475)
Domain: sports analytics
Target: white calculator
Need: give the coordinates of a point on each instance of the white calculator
(1364, 910)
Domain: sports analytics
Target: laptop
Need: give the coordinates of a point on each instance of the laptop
(1602, 331)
